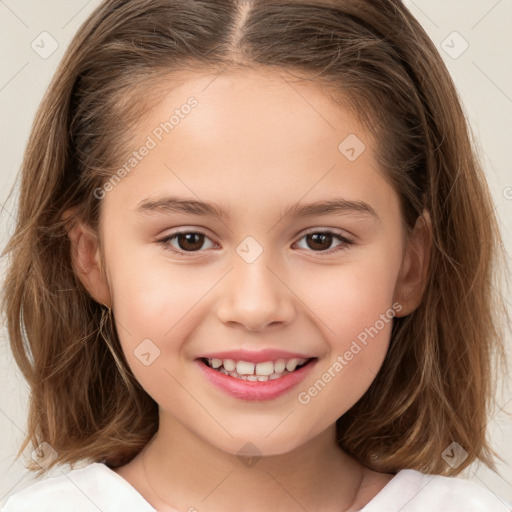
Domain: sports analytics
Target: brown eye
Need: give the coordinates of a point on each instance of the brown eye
(319, 241)
(185, 242)
(190, 241)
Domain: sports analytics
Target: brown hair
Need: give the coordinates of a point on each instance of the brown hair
(435, 384)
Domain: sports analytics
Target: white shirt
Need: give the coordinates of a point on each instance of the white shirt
(97, 488)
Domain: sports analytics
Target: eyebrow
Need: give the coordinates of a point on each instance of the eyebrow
(174, 204)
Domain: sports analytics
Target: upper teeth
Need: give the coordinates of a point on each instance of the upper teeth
(266, 368)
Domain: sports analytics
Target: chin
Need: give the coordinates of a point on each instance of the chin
(257, 445)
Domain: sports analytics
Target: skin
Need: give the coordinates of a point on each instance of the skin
(253, 145)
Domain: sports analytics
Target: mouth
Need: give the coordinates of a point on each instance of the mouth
(256, 372)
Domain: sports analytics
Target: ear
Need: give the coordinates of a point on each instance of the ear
(86, 260)
(413, 274)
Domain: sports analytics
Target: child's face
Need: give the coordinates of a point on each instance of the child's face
(254, 146)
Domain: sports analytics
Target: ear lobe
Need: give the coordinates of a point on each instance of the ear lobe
(413, 274)
(87, 263)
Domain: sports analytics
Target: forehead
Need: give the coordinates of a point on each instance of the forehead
(247, 108)
(255, 136)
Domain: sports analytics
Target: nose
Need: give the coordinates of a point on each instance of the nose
(255, 295)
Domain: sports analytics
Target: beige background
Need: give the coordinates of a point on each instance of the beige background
(482, 73)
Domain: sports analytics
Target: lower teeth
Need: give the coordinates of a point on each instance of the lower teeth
(253, 378)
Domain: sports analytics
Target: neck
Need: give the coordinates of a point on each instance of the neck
(178, 470)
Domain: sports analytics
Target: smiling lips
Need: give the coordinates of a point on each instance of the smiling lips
(262, 375)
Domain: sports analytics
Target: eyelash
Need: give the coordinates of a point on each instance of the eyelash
(345, 242)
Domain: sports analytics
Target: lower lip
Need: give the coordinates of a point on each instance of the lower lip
(255, 390)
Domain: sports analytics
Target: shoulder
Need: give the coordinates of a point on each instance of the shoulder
(412, 491)
(89, 489)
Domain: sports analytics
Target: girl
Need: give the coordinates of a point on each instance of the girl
(254, 266)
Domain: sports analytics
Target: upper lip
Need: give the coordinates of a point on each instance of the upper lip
(258, 356)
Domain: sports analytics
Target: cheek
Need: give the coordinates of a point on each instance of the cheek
(155, 308)
(151, 292)
(351, 297)
(355, 306)
(148, 299)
